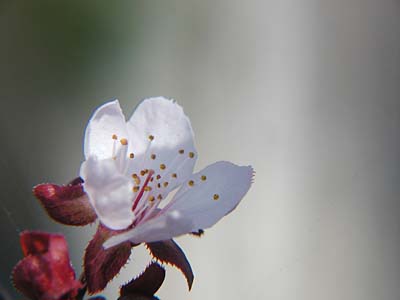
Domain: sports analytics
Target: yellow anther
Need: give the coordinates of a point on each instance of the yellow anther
(216, 197)
(151, 137)
(153, 156)
(162, 166)
(191, 154)
(203, 177)
(136, 189)
(131, 155)
(165, 184)
(124, 142)
(174, 175)
(114, 137)
(136, 178)
(143, 172)
(147, 188)
(151, 198)
(191, 183)
(181, 151)
(158, 176)
(159, 197)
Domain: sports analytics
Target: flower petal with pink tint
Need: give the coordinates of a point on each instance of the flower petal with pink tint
(207, 196)
(106, 122)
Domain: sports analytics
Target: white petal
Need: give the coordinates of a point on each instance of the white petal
(109, 191)
(195, 207)
(164, 120)
(106, 121)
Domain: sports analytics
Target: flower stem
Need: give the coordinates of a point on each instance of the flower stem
(83, 290)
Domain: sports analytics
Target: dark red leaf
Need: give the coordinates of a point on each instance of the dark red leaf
(102, 265)
(45, 273)
(169, 252)
(66, 204)
(145, 285)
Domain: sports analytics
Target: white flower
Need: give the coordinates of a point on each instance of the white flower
(132, 167)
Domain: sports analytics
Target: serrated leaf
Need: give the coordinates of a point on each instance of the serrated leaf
(169, 252)
(145, 285)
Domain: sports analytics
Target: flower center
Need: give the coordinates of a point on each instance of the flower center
(153, 178)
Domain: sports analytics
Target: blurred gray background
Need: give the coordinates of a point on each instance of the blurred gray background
(305, 91)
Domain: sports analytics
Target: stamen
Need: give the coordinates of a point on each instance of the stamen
(158, 176)
(174, 175)
(165, 183)
(136, 188)
(203, 177)
(159, 185)
(120, 154)
(146, 152)
(153, 156)
(136, 178)
(216, 197)
(162, 166)
(191, 183)
(191, 154)
(139, 196)
(114, 148)
(148, 212)
(177, 163)
(131, 155)
(147, 188)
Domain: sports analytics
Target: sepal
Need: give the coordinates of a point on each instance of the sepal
(145, 285)
(169, 252)
(101, 265)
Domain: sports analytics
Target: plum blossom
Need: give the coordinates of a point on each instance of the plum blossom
(138, 174)
(138, 180)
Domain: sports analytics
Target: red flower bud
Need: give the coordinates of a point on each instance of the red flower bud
(45, 273)
(66, 204)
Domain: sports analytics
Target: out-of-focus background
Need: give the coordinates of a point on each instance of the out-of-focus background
(308, 92)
